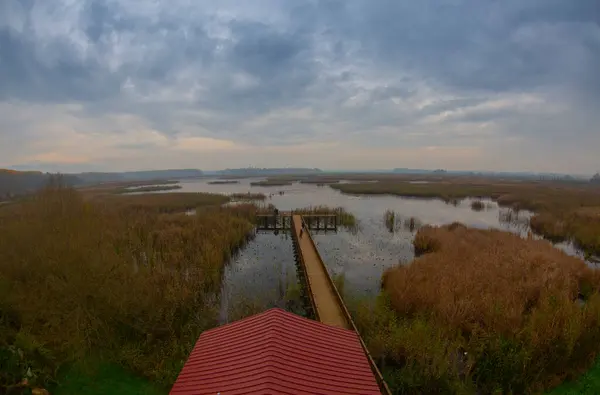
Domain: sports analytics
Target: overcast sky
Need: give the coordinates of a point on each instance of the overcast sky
(337, 84)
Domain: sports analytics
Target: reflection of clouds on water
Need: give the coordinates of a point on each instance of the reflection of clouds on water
(260, 274)
(362, 256)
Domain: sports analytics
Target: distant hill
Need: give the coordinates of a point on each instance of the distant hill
(15, 183)
(595, 179)
(258, 172)
(499, 174)
(404, 170)
(95, 177)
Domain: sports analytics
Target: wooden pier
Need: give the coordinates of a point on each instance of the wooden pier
(283, 221)
(325, 303)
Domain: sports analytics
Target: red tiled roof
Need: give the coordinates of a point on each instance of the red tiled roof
(276, 352)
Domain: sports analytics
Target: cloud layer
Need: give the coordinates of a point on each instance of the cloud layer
(132, 84)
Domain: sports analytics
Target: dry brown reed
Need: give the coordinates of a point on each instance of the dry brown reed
(118, 277)
(345, 218)
(563, 211)
(477, 205)
(527, 313)
(248, 196)
(271, 183)
(161, 202)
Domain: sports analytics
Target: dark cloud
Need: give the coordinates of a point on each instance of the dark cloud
(471, 44)
(280, 72)
(24, 76)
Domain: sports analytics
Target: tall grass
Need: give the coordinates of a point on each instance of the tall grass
(160, 202)
(477, 205)
(223, 182)
(345, 218)
(389, 219)
(487, 311)
(146, 189)
(393, 222)
(563, 211)
(247, 196)
(270, 183)
(119, 278)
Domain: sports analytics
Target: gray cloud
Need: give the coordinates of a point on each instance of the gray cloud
(494, 46)
(376, 74)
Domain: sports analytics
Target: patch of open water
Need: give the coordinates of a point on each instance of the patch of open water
(265, 269)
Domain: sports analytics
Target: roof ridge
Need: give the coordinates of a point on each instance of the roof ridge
(275, 350)
(273, 332)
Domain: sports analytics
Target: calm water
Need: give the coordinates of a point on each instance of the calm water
(264, 271)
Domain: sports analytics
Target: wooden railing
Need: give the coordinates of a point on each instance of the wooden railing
(300, 258)
(378, 376)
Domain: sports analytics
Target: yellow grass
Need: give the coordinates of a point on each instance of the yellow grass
(345, 218)
(563, 211)
(527, 313)
(248, 196)
(161, 202)
(118, 277)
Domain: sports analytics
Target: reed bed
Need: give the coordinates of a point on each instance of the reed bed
(477, 205)
(121, 278)
(146, 189)
(271, 183)
(484, 311)
(345, 218)
(223, 182)
(394, 222)
(161, 202)
(247, 196)
(563, 211)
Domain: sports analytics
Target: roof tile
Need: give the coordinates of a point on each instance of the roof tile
(276, 352)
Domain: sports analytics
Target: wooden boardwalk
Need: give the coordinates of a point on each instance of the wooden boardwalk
(282, 220)
(329, 308)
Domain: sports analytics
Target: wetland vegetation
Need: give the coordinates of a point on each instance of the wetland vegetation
(150, 188)
(223, 182)
(344, 218)
(394, 221)
(562, 211)
(130, 280)
(270, 183)
(483, 311)
(138, 281)
(247, 196)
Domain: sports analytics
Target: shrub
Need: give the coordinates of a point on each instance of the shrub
(477, 205)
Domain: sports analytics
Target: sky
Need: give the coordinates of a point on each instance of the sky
(91, 85)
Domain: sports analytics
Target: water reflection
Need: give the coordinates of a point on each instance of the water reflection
(262, 275)
(361, 256)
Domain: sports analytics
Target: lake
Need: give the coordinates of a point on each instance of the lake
(262, 273)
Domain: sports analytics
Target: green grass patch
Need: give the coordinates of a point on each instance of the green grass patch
(588, 384)
(101, 379)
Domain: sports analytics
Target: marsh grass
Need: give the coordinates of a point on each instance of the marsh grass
(145, 189)
(223, 182)
(345, 218)
(389, 219)
(526, 313)
(477, 205)
(247, 196)
(563, 211)
(163, 203)
(271, 183)
(120, 277)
